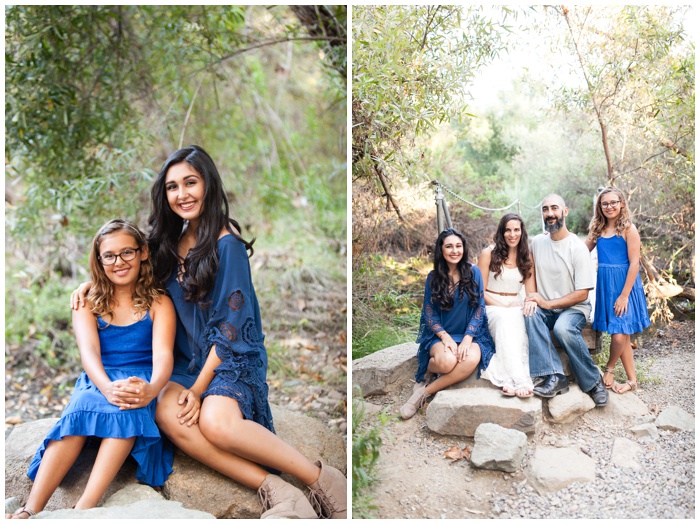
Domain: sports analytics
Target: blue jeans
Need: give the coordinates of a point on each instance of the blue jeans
(567, 326)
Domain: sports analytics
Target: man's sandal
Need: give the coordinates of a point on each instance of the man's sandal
(630, 383)
(23, 509)
(611, 371)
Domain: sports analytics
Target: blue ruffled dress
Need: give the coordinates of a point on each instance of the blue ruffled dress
(613, 264)
(231, 322)
(126, 351)
(461, 320)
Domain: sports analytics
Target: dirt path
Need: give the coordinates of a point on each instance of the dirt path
(417, 481)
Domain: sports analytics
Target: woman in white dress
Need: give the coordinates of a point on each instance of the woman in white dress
(507, 268)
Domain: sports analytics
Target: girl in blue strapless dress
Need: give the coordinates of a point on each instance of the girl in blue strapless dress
(125, 337)
(620, 307)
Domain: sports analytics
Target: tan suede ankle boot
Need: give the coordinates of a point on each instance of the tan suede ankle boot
(330, 492)
(282, 500)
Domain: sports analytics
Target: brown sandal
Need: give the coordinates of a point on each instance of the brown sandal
(23, 509)
(630, 383)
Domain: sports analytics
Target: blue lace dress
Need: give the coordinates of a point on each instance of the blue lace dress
(613, 264)
(232, 323)
(126, 351)
(461, 320)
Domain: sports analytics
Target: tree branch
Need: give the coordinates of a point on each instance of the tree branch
(674, 147)
(189, 111)
(382, 178)
(596, 106)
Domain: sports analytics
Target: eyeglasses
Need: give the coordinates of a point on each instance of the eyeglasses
(612, 203)
(126, 255)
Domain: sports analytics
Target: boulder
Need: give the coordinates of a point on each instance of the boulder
(153, 509)
(552, 469)
(498, 448)
(462, 411)
(20, 447)
(675, 419)
(624, 453)
(646, 432)
(472, 382)
(386, 370)
(194, 485)
(568, 406)
(131, 494)
(618, 409)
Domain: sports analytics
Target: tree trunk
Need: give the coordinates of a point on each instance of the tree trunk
(385, 184)
(596, 105)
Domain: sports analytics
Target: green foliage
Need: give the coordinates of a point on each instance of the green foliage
(40, 319)
(411, 66)
(114, 89)
(637, 64)
(387, 300)
(367, 439)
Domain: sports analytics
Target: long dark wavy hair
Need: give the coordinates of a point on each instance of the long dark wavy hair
(202, 262)
(500, 251)
(441, 284)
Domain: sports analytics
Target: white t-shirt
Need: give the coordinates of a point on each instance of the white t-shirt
(562, 267)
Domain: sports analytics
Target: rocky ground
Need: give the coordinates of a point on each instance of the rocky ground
(417, 481)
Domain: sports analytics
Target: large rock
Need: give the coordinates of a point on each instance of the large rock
(675, 419)
(386, 370)
(568, 406)
(552, 469)
(625, 452)
(646, 432)
(498, 448)
(196, 486)
(132, 493)
(618, 409)
(20, 447)
(152, 509)
(472, 382)
(462, 411)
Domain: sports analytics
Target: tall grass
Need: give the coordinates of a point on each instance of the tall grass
(387, 299)
(367, 439)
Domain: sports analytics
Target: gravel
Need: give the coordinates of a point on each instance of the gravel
(664, 486)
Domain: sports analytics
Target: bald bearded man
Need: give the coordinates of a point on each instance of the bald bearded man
(564, 276)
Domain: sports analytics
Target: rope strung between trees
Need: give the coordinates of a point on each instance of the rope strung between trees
(443, 215)
(516, 201)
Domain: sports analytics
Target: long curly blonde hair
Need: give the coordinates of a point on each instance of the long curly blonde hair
(599, 222)
(101, 295)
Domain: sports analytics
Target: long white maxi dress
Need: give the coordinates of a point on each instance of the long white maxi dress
(510, 366)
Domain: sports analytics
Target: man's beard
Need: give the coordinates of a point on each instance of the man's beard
(553, 228)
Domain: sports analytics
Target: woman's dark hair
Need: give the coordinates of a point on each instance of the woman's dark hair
(441, 284)
(202, 261)
(500, 251)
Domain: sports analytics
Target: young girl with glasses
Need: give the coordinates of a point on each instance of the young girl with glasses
(125, 336)
(620, 307)
(215, 406)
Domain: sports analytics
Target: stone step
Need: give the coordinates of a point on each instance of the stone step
(386, 370)
(461, 411)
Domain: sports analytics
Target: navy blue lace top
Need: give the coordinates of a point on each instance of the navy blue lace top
(231, 323)
(461, 320)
